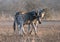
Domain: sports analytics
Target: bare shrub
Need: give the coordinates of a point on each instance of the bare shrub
(32, 4)
(48, 14)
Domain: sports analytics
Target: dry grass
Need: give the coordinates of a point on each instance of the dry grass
(46, 33)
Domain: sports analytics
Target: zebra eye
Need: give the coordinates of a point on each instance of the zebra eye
(35, 14)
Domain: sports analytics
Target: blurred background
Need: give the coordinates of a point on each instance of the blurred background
(48, 31)
(8, 8)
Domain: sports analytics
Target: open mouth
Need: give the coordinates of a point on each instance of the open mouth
(39, 22)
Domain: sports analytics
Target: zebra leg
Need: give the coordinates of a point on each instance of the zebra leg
(22, 28)
(36, 24)
(19, 29)
(29, 29)
(35, 28)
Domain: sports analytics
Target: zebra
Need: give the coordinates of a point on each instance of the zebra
(30, 18)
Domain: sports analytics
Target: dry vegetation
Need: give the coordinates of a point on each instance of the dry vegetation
(48, 31)
(9, 7)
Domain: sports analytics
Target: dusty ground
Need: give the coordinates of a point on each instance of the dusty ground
(48, 31)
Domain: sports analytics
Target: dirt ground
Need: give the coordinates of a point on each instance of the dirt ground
(48, 31)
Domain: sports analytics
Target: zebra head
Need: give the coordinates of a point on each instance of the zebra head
(40, 15)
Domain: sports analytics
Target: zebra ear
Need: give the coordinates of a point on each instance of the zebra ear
(38, 13)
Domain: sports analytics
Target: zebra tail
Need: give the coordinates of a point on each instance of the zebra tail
(14, 26)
